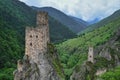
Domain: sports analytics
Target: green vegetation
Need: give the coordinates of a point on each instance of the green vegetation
(103, 22)
(12, 21)
(53, 56)
(111, 74)
(58, 31)
(91, 71)
(14, 17)
(73, 51)
(5, 74)
(101, 63)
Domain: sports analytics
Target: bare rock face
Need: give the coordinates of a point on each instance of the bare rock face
(81, 75)
(106, 54)
(29, 70)
(81, 72)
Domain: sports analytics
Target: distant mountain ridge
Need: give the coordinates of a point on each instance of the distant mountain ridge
(72, 24)
(80, 20)
(103, 22)
(94, 21)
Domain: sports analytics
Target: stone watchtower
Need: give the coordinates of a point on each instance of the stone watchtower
(37, 37)
(36, 65)
(91, 54)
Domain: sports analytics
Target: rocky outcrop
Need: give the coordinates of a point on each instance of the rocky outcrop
(79, 75)
(83, 71)
(44, 69)
(105, 53)
(100, 71)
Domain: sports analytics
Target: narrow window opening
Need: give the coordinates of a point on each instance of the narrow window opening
(36, 36)
(90, 56)
(30, 36)
(30, 44)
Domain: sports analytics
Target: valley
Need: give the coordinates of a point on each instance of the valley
(68, 48)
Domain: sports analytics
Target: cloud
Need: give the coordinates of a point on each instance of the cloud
(86, 9)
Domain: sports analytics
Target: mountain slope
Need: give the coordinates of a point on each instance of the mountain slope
(114, 16)
(14, 17)
(19, 11)
(111, 74)
(72, 24)
(74, 51)
(58, 31)
(79, 20)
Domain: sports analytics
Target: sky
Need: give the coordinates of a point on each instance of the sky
(87, 10)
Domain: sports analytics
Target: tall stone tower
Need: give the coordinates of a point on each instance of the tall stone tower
(38, 37)
(91, 54)
(37, 63)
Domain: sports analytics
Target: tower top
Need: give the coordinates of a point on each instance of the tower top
(37, 37)
(42, 18)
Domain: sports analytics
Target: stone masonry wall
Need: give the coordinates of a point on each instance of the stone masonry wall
(38, 37)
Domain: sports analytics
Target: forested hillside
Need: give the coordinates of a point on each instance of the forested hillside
(74, 51)
(14, 17)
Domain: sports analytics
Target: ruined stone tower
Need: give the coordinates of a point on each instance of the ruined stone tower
(37, 63)
(91, 54)
(38, 37)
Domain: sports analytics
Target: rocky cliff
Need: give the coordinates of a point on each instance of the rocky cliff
(47, 68)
